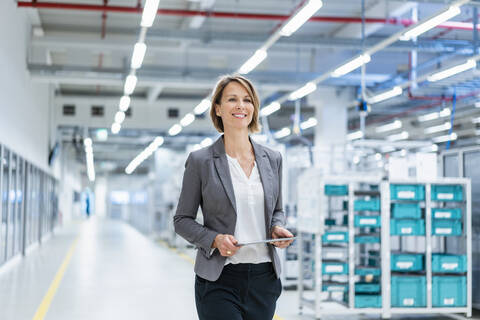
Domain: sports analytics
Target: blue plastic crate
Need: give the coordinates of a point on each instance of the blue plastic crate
(334, 287)
(335, 237)
(449, 263)
(367, 287)
(414, 192)
(446, 227)
(407, 262)
(406, 210)
(367, 238)
(367, 271)
(409, 291)
(407, 227)
(334, 268)
(449, 291)
(368, 301)
(366, 205)
(367, 221)
(447, 192)
(336, 190)
(447, 213)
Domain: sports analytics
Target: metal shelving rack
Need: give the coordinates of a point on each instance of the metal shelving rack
(311, 229)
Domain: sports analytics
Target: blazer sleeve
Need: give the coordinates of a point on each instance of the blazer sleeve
(187, 208)
(278, 217)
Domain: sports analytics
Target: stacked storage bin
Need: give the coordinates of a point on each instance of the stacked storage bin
(367, 223)
(408, 278)
(335, 245)
(449, 288)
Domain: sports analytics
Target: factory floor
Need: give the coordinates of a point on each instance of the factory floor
(105, 269)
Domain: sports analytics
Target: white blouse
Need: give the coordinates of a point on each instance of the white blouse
(250, 224)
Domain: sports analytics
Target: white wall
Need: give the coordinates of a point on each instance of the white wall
(24, 106)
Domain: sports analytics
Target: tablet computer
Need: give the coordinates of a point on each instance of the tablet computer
(264, 241)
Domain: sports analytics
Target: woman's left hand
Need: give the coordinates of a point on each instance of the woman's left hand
(279, 232)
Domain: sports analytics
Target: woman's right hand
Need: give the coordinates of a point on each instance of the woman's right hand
(225, 243)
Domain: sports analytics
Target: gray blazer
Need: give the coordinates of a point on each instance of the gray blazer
(207, 183)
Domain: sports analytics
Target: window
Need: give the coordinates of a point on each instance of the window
(68, 110)
(173, 113)
(97, 111)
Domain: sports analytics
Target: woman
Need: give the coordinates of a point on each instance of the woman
(237, 183)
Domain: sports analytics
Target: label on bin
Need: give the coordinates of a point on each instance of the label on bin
(406, 194)
(445, 196)
(368, 221)
(404, 264)
(408, 302)
(333, 255)
(443, 230)
(335, 288)
(406, 230)
(334, 268)
(441, 214)
(448, 301)
(335, 237)
(449, 266)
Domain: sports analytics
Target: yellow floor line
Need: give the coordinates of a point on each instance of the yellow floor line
(189, 259)
(47, 300)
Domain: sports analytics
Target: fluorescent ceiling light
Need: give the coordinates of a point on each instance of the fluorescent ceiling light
(301, 17)
(175, 129)
(102, 134)
(187, 119)
(445, 112)
(429, 116)
(282, 133)
(387, 149)
(445, 138)
(442, 127)
(253, 62)
(351, 65)
(303, 91)
(311, 122)
(397, 124)
(397, 137)
(149, 13)
(206, 142)
(396, 91)
(470, 64)
(119, 117)
(355, 135)
(431, 23)
(124, 103)
(158, 141)
(116, 128)
(432, 148)
(87, 142)
(138, 54)
(130, 83)
(378, 156)
(202, 106)
(271, 108)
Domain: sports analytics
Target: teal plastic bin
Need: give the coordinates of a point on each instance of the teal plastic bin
(336, 190)
(334, 268)
(449, 291)
(335, 237)
(367, 271)
(367, 287)
(367, 221)
(407, 227)
(409, 291)
(449, 263)
(335, 287)
(414, 192)
(447, 213)
(405, 262)
(446, 227)
(447, 192)
(367, 238)
(406, 211)
(330, 222)
(368, 301)
(367, 205)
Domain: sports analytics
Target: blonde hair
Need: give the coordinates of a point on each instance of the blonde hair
(254, 125)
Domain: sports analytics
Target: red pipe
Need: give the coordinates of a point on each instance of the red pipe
(122, 9)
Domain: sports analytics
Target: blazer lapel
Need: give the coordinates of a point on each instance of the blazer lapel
(221, 165)
(266, 175)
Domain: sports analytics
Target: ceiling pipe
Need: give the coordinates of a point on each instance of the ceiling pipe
(230, 15)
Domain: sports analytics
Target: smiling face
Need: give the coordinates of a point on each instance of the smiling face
(235, 108)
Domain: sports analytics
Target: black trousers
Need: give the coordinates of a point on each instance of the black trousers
(244, 291)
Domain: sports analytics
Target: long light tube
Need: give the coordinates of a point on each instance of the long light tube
(202, 106)
(116, 127)
(282, 133)
(301, 17)
(271, 108)
(147, 152)
(442, 127)
(431, 23)
(124, 103)
(119, 117)
(397, 124)
(351, 65)
(149, 13)
(311, 122)
(130, 83)
(355, 135)
(397, 137)
(470, 64)
(175, 129)
(138, 54)
(89, 158)
(445, 138)
(396, 91)
(303, 91)
(187, 119)
(253, 62)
